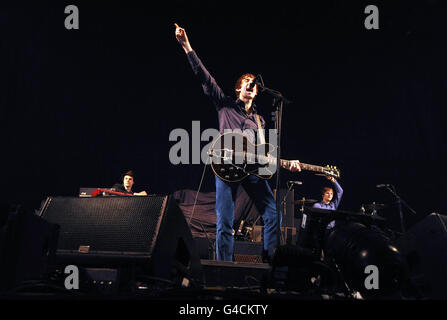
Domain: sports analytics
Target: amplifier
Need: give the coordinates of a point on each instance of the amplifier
(288, 235)
(248, 252)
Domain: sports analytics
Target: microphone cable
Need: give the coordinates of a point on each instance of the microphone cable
(210, 243)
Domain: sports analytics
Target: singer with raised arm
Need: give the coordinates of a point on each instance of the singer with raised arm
(329, 200)
(236, 113)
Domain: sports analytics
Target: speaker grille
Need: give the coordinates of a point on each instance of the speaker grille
(248, 258)
(107, 224)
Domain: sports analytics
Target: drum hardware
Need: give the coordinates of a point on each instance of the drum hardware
(372, 208)
(313, 237)
(304, 201)
(315, 220)
(301, 203)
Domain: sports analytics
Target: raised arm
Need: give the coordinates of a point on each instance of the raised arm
(338, 192)
(182, 38)
(209, 84)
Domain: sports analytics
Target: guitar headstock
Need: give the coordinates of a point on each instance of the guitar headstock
(332, 171)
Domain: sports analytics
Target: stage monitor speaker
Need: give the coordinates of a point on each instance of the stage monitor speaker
(27, 248)
(424, 247)
(149, 232)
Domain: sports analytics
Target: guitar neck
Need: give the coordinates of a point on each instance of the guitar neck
(272, 160)
(305, 166)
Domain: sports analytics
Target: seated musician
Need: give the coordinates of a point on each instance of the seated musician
(329, 201)
(126, 186)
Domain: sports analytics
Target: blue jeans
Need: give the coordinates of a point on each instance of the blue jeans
(262, 195)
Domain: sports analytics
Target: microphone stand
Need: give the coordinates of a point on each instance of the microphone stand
(278, 102)
(400, 201)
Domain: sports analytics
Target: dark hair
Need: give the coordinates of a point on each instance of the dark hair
(129, 173)
(326, 189)
(238, 84)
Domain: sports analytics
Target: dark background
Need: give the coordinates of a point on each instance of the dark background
(80, 107)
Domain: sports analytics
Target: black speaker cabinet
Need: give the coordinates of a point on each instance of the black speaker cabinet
(424, 247)
(148, 231)
(27, 248)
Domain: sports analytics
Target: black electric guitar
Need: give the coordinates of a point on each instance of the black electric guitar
(233, 158)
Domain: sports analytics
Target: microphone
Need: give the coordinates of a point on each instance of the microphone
(382, 185)
(294, 182)
(256, 81)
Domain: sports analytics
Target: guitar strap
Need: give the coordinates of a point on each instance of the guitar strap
(260, 129)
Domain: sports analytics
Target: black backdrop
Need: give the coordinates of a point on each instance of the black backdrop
(79, 107)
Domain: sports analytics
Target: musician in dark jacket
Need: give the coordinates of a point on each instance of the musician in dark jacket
(126, 186)
(236, 114)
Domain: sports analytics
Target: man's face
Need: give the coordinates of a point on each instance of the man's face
(328, 195)
(245, 92)
(128, 182)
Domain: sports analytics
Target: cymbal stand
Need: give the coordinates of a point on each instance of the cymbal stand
(400, 201)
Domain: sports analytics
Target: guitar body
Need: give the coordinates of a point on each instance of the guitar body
(231, 158)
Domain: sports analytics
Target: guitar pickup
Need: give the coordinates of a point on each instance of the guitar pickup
(224, 154)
